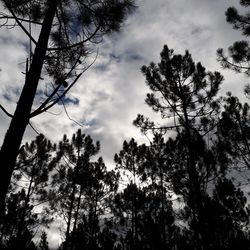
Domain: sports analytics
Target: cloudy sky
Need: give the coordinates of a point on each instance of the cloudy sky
(112, 92)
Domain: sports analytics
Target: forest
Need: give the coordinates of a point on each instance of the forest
(186, 189)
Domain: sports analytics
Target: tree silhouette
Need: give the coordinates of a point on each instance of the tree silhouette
(82, 189)
(15, 235)
(226, 217)
(65, 29)
(184, 93)
(72, 157)
(233, 133)
(28, 191)
(43, 244)
(129, 160)
(33, 168)
(239, 53)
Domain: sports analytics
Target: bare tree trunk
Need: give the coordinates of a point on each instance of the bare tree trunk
(72, 199)
(21, 225)
(70, 217)
(163, 229)
(20, 120)
(76, 217)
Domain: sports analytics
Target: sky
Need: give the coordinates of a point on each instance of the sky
(111, 93)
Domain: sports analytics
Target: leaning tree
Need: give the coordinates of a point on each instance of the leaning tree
(66, 29)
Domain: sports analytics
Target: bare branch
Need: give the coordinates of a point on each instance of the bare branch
(5, 111)
(69, 116)
(34, 128)
(19, 23)
(5, 16)
(37, 111)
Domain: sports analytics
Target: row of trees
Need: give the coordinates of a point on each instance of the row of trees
(175, 193)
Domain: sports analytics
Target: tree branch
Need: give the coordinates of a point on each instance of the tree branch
(75, 44)
(37, 111)
(5, 111)
(66, 91)
(19, 23)
(5, 16)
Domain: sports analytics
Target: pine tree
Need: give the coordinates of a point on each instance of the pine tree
(128, 161)
(185, 93)
(239, 53)
(43, 245)
(33, 168)
(15, 235)
(233, 134)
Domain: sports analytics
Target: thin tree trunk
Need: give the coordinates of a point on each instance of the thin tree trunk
(162, 209)
(72, 199)
(27, 199)
(20, 120)
(70, 216)
(77, 209)
(76, 216)
(135, 223)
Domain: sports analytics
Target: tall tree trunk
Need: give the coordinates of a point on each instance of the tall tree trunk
(76, 217)
(72, 200)
(135, 222)
(20, 120)
(195, 195)
(21, 225)
(163, 229)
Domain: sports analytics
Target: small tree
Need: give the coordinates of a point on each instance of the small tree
(72, 157)
(33, 168)
(128, 161)
(43, 245)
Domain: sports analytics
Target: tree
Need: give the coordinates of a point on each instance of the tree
(129, 160)
(68, 26)
(157, 169)
(82, 188)
(33, 169)
(28, 189)
(233, 133)
(15, 235)
(72, 157)
(226, 218)
(43, 245)
(239, 53)
(97, 188)
(185, 93)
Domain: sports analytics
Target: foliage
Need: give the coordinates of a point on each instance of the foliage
(239, 53)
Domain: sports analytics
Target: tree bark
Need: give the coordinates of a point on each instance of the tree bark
(20, 120)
